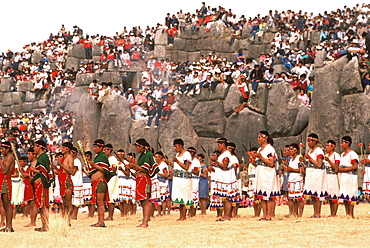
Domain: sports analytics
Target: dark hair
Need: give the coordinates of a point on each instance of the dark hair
(88, 153)
(295, 145)
(178, 142)
(331, 142)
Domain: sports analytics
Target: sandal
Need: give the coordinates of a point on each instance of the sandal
(7, 230)
(98, 225)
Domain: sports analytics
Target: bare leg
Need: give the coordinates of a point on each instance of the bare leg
(74, 212)
(335, 209)
(100, 203)
(14, 212)
(257, 210)
(270, 209)
(182, 213)
(227, 210)
(146, 212)
(2, 213)
(203, 206)
(91, 209)
(264, 208)
(44, 214)
(67, 202)
(33, 213)
(8, 211)
(300, 208)
(26, 210)
(110, 212)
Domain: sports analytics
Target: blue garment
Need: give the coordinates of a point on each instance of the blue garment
(203, 184)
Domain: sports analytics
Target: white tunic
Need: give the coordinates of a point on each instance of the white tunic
(332, 177)
(113, 182)
(78, 192)
(181, 183)
(366, 183)
(348, 184)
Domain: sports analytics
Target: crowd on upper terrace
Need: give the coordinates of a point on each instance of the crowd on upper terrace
(342, 32)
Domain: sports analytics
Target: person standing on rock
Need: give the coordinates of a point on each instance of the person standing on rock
(348, 186)
(316, 181)
(267, 189)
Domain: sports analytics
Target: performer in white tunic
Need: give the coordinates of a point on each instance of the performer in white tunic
(226, 185)
(295, 181)
(366, 183)
(235, 162)
(17, 187)
(87, 188)
(267, 188)
(181, 184)
(124, 185)
(215, 201)
(163, 184)
(195, 168)
(113, 182)
(252, 194)
(348, 184)
(78, 192)
(315, 185)
(331, 161)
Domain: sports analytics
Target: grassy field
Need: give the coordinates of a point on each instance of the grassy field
(201, 231)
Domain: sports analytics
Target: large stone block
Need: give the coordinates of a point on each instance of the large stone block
(16, 108)
(315, 37)
(6, 84)
(206, 44)
(27, 107)
(179, 44)
(36, 57)
(246, 32)
(88, 117)
(242, 129)
(182, 56)
(1, 96)
(301, 121)
(233, 99)
(25, 86)
(190, 45)
(42, 103)
(350, 79)
(193, 56)
(282, 110)
(356, 117)
(213, 125)
(268, 37)
(320, 58)
(219, 93)
(85, 79)
(259, 101)
(178, 126)
(217, 29)
(12, 98)
(244, 45)
(280, 68)
(280, 142)
(187, 104)
(115, 121)
(160, 51)
(97, 50)
(77, 93)
(6, 109)
(30, 96)
(72, 63)
(161, 37)
(326, 101)
(78, 51)
(138, 131)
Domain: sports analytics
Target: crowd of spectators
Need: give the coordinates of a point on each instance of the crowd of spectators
(24, 129)
(344, 32)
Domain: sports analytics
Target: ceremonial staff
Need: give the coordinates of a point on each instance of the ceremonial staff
(81, 150)
(16, 157)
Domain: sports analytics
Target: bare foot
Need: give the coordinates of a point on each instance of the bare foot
(108, 219)
(29, 225)
(143, 225)
(180, 219)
